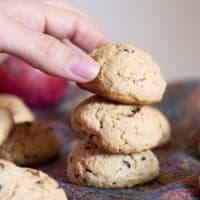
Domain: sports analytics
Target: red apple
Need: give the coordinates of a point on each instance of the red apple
(32, 85)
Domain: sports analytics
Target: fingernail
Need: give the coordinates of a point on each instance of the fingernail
(84, 67)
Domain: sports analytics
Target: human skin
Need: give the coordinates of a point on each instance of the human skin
(37, 31)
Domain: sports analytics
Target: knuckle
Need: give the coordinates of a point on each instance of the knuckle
(49, 47)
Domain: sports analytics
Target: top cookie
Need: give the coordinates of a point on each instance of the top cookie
(128, 75)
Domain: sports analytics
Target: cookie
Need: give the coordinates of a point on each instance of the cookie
(127, 75)
(89, 166)
(199, 181)
(164, 126)
(18, 108)
(117, 128)
(30, 143)
(23, 183)
(6, 124)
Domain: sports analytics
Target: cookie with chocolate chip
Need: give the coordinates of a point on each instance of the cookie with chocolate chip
(87, 165)
(127, 75)
(117, 128)
(23, 183)
(30, 143)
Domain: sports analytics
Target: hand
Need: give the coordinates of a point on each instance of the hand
(37, 32)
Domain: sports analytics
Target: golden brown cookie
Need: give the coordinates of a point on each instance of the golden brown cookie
(117, 128)
(30, 143)
(23, 183)
(89, 166)
(127, 75)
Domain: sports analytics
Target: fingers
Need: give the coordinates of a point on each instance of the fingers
(45, 52)
(59, 22)
(81, 32)
(26, 13)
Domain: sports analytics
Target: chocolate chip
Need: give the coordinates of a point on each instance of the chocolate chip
(136, 110)
(143, 158)
(70, 159)
(50, 129)
(77, 175)
(28, 124)
(114, 183)
(132, 51)
(39, 182)
(88, 170)
(127, 50)
(91, 136)
(2, 166)
(1, 187)
(127, 163)
(87, 148)
(85, 181)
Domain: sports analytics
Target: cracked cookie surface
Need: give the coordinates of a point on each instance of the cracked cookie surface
(127, 75)
(118, 128)
(6, 124)
(21, 113)
(30, 143)
(87, 165)
(22, 183)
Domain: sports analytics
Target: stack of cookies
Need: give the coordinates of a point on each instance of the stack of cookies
(118, 125)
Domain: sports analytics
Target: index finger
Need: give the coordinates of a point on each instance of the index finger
(59, 22)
